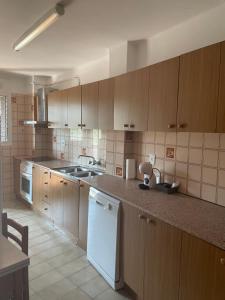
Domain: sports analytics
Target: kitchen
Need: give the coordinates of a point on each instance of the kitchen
(113, 150)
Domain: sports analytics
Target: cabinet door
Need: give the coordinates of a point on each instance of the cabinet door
(106, 104)
(63, 109)
(138, 95)
(162, 261)
(121, 102)
(197, 269)
(57, 105)
(219, 286)
(198, 89)
(221, 100)
(90, 105)
(56, 185)
(132, 248)
(163, 93)
(71, 206)
(36, 186)
(74, 107)
(83, 215)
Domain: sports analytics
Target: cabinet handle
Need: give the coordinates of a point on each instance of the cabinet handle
(46, 196)
(151, 221)
(83, 125)
(79, 125)
(222, 261)
(61, 181)
(45, 208)
(81, 185)
(132, 125)
(65, 183)
(181, 126)
(46, 182)
(66, 125)
(46, 172)
(125, 125)
(169, 126)
(142, 217)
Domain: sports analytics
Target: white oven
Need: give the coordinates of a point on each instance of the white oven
(26, 180)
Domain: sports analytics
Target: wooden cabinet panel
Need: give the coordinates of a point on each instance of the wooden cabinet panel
(221, 99)
(106, 104)
(197, 269)
(121, 102)
(163, 94)
(198, 89)
(83, 216)
(132, 248)
(57, 199)
(36, 186)
(71, 206)
(138, 95)
(162, 261)
(57, 109)
(74, 107)
(219, 285)
(90, 105)
(131, 100)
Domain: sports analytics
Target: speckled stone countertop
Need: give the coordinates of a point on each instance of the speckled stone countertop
(56, 163)
(202, 219)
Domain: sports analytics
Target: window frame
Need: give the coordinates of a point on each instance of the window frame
(9, 119)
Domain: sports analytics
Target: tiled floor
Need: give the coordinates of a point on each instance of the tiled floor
(59, 269)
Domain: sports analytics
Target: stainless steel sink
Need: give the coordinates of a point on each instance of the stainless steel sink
(79, 171)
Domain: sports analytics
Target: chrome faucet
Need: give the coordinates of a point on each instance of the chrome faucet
(93, 161)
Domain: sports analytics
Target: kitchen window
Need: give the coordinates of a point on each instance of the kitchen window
(4, 119)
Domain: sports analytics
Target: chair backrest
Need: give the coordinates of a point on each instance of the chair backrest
(23, 230)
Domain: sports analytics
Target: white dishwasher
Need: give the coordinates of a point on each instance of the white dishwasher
(104, 236)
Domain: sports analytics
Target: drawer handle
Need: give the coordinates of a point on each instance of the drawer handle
(151, 221)
(83, 125)
(181, 125)
(65, 183)
(61, 181)
(45, 208)
(142, 217)
(46, 172)
(99, 203)
(46, 196)
(169, 126)
(132, 126)
(222, 261)
(125, 125)
(46, 182)
(79, 125)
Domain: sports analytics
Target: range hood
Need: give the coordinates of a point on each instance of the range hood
(40, 109)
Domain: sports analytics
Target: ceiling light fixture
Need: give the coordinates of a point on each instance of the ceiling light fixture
(41, 25)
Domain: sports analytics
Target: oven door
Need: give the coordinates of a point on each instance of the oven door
(26, 186)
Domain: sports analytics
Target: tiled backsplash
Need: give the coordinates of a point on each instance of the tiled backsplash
(198, 163)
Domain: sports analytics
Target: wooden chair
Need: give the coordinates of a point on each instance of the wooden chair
(22, 277)
(23, 230)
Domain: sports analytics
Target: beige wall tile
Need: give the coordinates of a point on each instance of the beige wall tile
(181, 169)
(119, 147)
(182, 154)
(209, 175)
(208, 193)
(221, 181)
(159, 164)
(183, 184)
(211, 140)
(195, 156)
(170, 167)
(194, 172)
(222, 160)
(183, 139)
(210, 158)
(221, 197)
(160, 138)
(149, 148)
(171, 138)
(222, 141)
(196, 139)
(160, 151)
(194, 188)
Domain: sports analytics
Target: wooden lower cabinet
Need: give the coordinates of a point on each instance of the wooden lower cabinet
(83, 216)
(202, 270)
(161, 260)
(71, 206)
(57, 199)
(132, 248)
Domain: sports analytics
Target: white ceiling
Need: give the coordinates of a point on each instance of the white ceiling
(86, 31)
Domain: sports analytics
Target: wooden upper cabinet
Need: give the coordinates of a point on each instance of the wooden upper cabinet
(90, 105)
(106, 104)
(74, 107)
(163, 93)
(131, 101)
(54, 109)
(198, 89)
(221, 99)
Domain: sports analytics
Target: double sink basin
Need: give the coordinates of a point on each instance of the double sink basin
(79, 171)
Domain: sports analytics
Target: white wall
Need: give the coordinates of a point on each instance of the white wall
(11, 83)
(118, 59)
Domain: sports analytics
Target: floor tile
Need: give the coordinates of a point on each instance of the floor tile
(95, 286)
(76, 294)
(110, 294)
(83, 276)
(39, 270)
(45, 280)
(73, 267)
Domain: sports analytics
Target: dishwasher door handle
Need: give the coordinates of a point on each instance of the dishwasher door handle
(99, 203)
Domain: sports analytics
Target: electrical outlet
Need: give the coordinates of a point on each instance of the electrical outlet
(152, 158)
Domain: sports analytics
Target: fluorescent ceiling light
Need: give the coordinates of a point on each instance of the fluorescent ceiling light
(41, 25)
